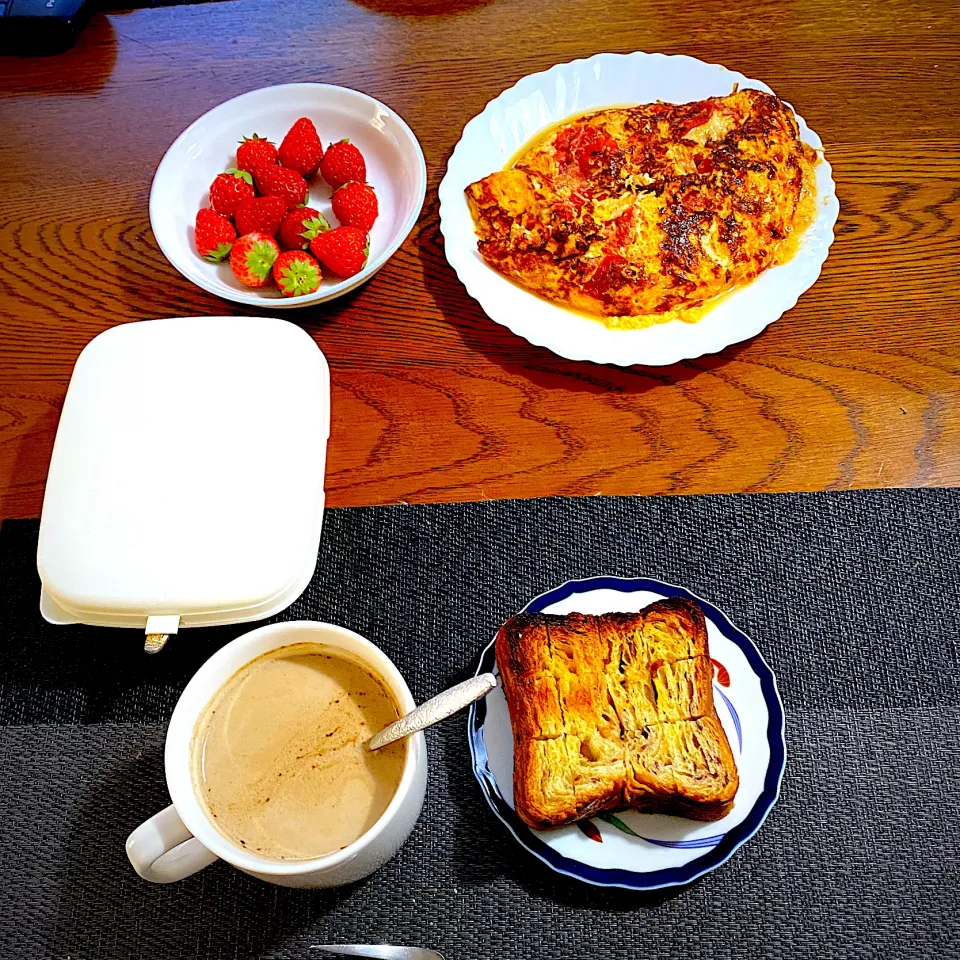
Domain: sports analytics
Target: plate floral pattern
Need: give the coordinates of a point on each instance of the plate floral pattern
(644, 851)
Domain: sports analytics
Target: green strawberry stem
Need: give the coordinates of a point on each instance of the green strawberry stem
(260, 260)
(219, 253)
(313, 227)
(299, 278)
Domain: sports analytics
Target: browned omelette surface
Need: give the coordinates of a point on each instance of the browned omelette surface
(653, 210)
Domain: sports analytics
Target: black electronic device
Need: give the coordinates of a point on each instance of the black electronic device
(36, 27)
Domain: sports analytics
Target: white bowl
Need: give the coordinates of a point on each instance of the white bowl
(490, 139)
(395, 168)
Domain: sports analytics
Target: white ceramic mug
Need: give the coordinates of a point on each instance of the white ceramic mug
(180, 840)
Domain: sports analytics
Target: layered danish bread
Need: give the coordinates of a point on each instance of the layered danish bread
(614, 712)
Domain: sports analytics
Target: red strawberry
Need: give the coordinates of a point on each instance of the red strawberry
(260, 215)
(341, 163)
(229, 189)
(252, 258)
(301, 148)
(297, 273)
(342, 251)
(255, 152)
(214, 235)
(355, 205)
(281, 182)
(299, 227)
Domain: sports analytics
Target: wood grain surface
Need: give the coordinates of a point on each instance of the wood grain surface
(859, 385)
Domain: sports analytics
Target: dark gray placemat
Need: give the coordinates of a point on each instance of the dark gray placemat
(853, 598)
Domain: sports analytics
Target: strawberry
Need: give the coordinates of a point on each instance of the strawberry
(301, 148)
(342, 251)
(355, 205)
(297, 273)
(214, 235)
(228, 189)
(299, 227)
(284, 183)
(256, 152)
(341, 163)
(260, 215)
(252, 258)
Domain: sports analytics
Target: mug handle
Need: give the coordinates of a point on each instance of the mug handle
(162, 849)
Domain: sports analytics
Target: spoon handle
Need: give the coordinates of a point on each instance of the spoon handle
(435, 709)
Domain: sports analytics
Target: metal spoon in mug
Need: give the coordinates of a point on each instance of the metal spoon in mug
(435, 709)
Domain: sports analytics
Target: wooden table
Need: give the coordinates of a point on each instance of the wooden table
(857, 386)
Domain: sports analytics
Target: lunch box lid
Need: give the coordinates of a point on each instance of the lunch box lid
(186, 483)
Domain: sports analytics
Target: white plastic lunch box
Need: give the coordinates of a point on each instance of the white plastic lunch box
(186, 484)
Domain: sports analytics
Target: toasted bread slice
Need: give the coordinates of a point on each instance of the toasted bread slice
(612, 712)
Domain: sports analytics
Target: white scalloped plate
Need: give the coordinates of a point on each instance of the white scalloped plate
(490, 139)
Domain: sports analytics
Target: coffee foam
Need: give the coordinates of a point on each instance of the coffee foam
(279, 756)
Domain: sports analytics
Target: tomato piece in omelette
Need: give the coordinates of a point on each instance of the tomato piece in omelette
(650, 210)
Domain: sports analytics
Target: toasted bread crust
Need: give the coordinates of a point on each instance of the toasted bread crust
(614, 711)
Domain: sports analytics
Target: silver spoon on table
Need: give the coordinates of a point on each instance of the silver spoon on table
(382, 952)
(435, 709)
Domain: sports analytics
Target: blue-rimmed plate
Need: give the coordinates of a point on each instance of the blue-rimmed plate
(643, 851)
